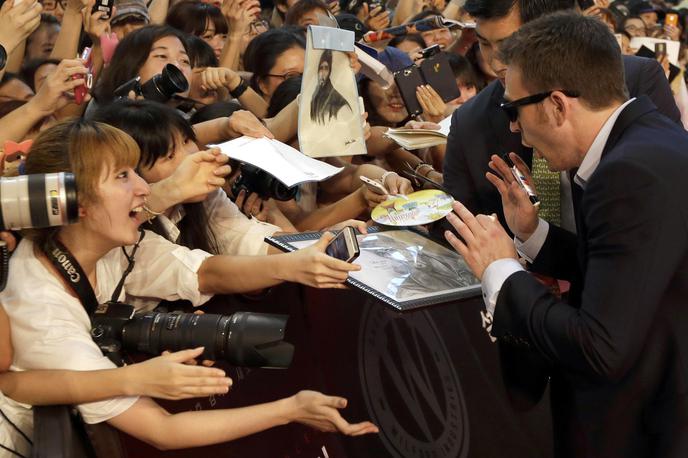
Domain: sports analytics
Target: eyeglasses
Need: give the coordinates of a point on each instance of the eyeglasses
(286, 76)
(511, 108)
(259, 26)
(51, 5)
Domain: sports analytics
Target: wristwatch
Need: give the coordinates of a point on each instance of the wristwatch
(3, 57)
(240, 89)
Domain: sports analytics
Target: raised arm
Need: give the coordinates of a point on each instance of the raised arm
(67, 43)
(16, 24)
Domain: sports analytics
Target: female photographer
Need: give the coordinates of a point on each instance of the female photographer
(51, 326)
(143, 53)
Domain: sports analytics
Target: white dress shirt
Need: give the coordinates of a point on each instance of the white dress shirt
(498, 271)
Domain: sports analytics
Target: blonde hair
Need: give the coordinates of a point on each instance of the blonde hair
(86, 149)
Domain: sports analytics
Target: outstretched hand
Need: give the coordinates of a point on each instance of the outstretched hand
(321, 412)
(311, 266)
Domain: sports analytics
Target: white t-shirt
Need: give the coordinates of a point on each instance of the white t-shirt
(235, 233)
(50, 327)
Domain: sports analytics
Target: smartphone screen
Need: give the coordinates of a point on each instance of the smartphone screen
(344, 246)
(374, 186)
(660, 51)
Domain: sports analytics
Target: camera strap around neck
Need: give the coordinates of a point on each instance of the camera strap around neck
(72, 272)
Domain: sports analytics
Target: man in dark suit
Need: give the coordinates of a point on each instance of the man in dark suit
(479, 128)
(619, 349)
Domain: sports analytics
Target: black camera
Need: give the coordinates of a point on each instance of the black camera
(352, 6)
(430, 51)
(242, 338)
(254, 179)
(161, 88)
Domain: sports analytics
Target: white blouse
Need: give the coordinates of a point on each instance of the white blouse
(51, 329)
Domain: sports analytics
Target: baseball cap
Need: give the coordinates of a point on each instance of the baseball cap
(126, 9)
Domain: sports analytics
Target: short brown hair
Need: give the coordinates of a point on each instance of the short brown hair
(85, 148)
(568, 51)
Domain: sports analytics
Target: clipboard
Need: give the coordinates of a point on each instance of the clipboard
(402, 268)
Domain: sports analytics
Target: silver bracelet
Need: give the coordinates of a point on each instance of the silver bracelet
(385, 175)
(421, 165)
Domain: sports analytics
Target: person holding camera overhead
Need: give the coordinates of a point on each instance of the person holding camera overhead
(51, 328)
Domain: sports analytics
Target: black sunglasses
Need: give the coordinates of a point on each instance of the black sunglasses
(511, 108)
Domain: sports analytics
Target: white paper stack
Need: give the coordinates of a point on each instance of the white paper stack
(281, 161)
(420, 138)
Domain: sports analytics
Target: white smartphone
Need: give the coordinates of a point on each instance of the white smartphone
(375, 186)
(344, 246)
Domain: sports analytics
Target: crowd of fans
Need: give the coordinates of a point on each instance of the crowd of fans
(243, 60)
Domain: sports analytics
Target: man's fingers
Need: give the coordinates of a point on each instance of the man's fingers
(499, 166)
(486, 221)
(457, 244)
(462, 229)
(467, 218)
(520, 165)
(498, 183)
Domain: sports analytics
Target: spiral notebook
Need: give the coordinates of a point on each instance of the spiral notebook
(400, 267)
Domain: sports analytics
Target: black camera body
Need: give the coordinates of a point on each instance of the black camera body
(352, 6)
(161, 88)
(242, 338)
(254, 179)
(430, 51)
(107, 324)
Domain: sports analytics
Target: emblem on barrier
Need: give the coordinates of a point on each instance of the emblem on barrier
(410, 386)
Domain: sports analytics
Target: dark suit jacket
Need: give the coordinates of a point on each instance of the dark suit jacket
(619, 356)
(480, 129)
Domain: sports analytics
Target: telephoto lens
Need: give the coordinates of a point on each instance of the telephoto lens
(40, 200)
(242, 339)
(163, 86)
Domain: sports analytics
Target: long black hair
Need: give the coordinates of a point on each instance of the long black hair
(193, 17)
(262, 52)
(155, 127)
(130, 55)
(326, 101)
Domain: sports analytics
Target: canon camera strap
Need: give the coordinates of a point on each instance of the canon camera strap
(70, 269)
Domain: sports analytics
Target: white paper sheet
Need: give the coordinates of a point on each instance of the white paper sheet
(673, 47)
(280, 160)
(445, 124)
